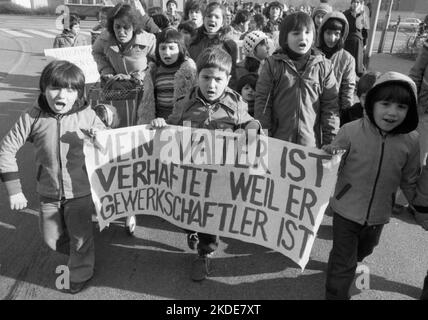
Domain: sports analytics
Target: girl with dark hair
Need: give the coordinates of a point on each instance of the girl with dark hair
(171, 77)
(331, 38)
(121, 53)
(213, 34)
(193, 11)
(56, 127)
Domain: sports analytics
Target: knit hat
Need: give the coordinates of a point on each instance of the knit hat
(323, 8)
(251, 41)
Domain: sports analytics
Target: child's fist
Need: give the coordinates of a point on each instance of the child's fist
(158, 123)
(18, 201)
(333, 150)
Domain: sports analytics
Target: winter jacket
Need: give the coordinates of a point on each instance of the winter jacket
(230, 112)
(376, 164)
(185, 80)
(58, 143)
(302, 109)
(149, 24)
(133, 60)
(419, 74)
(68, 39)
(343, 64)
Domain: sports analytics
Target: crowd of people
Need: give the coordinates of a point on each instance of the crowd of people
(297, 81)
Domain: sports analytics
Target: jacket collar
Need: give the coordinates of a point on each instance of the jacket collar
(316, 56)
(228, 99)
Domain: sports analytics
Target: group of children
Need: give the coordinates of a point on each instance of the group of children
(299, 94)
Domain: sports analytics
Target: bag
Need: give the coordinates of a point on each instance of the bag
(118, 90)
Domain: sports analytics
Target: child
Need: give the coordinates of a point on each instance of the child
(172, 14)
(256, 48)
(57, 127)
(70, 36)
(355, 112)
(382, 154)
(213, 34)
(193, 11)
(210, 105)
(274, 15)
(188, 30)
(296, 93)
(247, 89)
(319, 14)
(102, 25)
(420, 204)
(332, 35)
(173, 76)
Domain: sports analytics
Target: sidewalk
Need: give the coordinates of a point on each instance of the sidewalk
(384, 62)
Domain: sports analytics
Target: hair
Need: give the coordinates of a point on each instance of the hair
(214, 58)
(260, 21)
(334, 25)
(294, 22)
(398, 92)
(61, 74)
(366, 82)
(73, 20)
(161, 20)
(170, 35)
(173, 1)
(124, 10)
(242, 16)
(188, 26)
(193, 5)
(250, 78)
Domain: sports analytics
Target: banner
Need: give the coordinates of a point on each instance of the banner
(80, 56)
(257, 189)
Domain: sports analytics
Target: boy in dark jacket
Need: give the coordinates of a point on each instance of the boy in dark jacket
(210, 105)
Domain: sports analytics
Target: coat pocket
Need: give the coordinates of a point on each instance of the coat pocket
(344, 190)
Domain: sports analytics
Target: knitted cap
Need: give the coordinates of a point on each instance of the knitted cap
(251, 41)
(323, 8)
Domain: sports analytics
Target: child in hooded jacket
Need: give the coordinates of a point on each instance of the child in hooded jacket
(333, 31)
(382, 154)
(296, 93)
(172, 76)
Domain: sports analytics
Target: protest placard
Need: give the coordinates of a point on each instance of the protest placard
(80, 56)
(264, 191)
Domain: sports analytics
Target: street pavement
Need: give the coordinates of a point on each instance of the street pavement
(155, 263)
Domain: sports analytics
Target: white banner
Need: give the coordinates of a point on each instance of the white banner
(80, 56)
(270, 192)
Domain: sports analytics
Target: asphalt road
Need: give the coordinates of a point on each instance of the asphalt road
(155, 263)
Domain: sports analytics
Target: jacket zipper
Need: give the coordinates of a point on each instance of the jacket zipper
(298, 110)
(61, 182)
(377, 177)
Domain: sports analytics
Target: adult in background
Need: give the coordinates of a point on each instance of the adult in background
(354, 44)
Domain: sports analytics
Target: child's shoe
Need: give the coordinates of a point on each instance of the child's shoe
(76, 287)
(192, 240)
(200, 267)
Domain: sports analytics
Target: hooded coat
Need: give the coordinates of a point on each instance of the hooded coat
(185, 80)
(343, 63)
(376, 164)
(294, 107)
